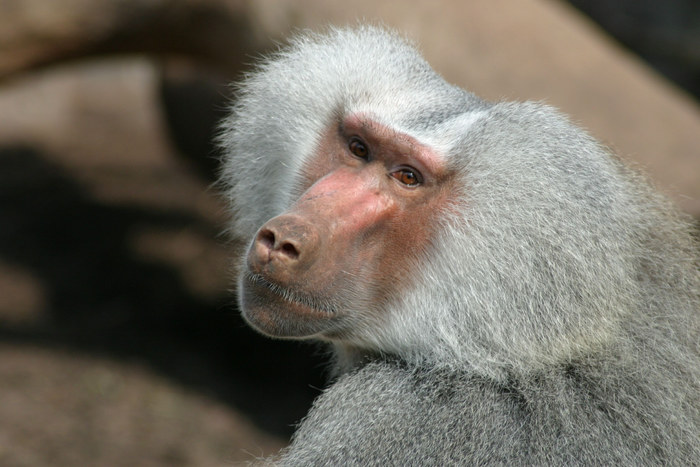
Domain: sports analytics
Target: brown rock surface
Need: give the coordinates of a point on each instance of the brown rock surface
(110, 245)
(65, 409)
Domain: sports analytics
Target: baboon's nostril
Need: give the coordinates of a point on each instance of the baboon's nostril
(290, 250)
(267, 238)
(273, 242)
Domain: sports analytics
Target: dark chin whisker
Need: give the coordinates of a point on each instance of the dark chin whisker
(292, 296)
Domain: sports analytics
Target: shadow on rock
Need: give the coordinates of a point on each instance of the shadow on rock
(100, 296)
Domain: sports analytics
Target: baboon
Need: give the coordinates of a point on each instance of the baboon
(496, 287)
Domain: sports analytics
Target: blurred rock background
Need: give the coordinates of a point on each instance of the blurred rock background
(120, 344)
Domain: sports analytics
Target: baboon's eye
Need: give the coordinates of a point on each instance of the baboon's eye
(358, 148)
(407, 176)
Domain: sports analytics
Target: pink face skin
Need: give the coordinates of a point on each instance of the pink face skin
(370, 197)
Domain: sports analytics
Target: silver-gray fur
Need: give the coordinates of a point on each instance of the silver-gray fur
(555, 319)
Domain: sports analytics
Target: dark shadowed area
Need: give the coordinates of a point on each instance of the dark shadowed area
(120, 341)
